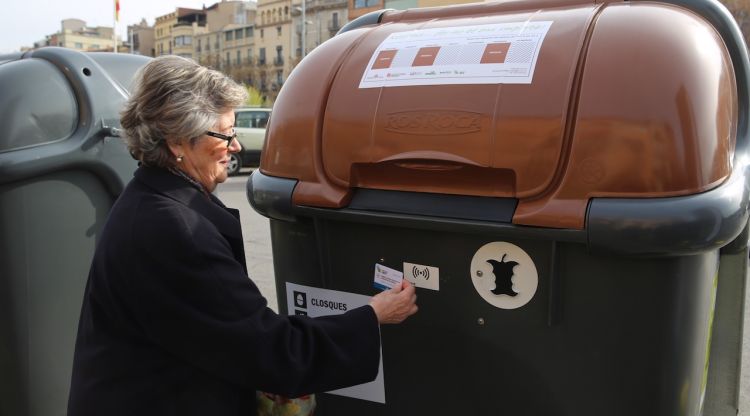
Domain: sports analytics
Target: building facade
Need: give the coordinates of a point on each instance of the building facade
(141, 39)
(323, 19)
(358, 8)
(227, 12)
(208, 49)
(232, 25)
(238, 50)
(274, 45)
(163, 33)
(174, 32)
(74, 34)
(228, 45)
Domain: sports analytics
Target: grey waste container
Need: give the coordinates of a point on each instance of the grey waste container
(62, 165)
(565, 181)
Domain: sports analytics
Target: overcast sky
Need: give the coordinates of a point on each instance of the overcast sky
(23, 22)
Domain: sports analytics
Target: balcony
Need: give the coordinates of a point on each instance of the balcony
(278, 61)
(261, 61)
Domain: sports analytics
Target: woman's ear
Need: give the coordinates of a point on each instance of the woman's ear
(175, 147)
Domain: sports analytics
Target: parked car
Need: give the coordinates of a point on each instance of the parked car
(250, 124)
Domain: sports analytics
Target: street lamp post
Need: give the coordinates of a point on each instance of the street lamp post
(303, 27)
(304, 30)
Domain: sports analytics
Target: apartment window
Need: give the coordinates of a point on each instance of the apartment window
(183, 40)
(248, 32)
(250, 55)
(262, 56)
(228, 58)
(239, 57)
(228, 35)
(335, 19)
(278, 30)
(261, 33)
(238, 33)
(359, 4)
(279, 59)
(279, 77)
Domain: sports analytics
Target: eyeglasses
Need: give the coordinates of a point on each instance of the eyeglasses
(229, 138)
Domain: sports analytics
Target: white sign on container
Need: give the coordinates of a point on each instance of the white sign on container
(501, 53)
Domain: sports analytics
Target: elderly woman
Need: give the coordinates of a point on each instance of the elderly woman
(171, 324)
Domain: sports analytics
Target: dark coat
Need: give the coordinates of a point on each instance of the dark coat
(172, 325)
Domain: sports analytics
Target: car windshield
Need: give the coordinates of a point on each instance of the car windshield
(252, 119)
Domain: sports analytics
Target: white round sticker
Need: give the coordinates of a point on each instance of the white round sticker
(504, 275)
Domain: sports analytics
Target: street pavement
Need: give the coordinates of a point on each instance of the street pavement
(257, 237)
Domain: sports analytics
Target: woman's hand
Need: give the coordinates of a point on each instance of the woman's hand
(395, 305)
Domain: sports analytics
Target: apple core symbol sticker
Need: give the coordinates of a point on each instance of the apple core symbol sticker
(504, 275)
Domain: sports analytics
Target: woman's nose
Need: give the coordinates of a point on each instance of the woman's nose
(235, 146)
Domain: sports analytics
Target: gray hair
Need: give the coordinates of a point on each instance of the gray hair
(175, 100)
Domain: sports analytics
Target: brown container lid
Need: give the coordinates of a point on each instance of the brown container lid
(624, 99)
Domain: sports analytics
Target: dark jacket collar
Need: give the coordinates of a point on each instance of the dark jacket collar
(225, 219)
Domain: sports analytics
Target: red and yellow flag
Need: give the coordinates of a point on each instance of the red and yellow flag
(117, 10)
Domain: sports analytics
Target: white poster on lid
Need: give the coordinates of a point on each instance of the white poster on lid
(500, 53)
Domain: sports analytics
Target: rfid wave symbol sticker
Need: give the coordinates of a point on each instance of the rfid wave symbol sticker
(504, 275)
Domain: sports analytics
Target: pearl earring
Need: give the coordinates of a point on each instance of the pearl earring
(179, 158)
